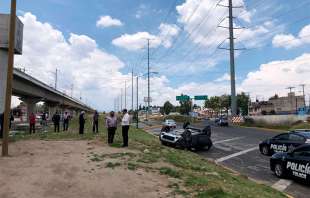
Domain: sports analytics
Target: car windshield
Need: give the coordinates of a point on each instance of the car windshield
(305, 134)
(170, 121)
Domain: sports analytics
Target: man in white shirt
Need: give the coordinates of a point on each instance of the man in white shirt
(125, 127)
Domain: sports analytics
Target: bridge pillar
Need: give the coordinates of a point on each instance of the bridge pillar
(3, 76)
(31, 105)
(52, 108)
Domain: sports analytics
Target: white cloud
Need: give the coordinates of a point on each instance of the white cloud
(276, 76)
(137, 41)
(108, 21)
(167, 32)
(208, 34)
(289, 41)
(225, 77)
(78, 59)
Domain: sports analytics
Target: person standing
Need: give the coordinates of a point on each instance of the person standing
(32, 123)
(66, 121)
(1, 125)
(111, 124)
(44, 121)
(125, 127)
(56, 121)
(11, 120)
(81, 122)
(95, 122)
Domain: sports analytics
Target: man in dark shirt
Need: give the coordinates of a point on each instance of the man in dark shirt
(81, 122)
(95, 122)
(1, 125)
(56, 121)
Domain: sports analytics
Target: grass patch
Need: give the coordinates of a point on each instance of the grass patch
(191, 169)
(132, 166)
(170, 172)
(112, 165)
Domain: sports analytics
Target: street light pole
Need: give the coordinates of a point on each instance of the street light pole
(148, 78)
(137, 121)
(8, 97)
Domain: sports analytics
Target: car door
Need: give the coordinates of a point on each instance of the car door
(298, 163)
(294, 141)
(279, 143)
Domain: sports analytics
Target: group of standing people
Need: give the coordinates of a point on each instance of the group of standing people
(111, 124)
(56, 121)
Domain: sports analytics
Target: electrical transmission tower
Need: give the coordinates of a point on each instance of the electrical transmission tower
(232, 56)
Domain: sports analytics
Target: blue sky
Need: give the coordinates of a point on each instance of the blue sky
(185, 60)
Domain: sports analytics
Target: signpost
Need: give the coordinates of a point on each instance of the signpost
(183, 98)
(205, 97)
(11, 37)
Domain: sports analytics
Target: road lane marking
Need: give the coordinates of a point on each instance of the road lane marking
(228, 140)
(282, 184)
(235, 154)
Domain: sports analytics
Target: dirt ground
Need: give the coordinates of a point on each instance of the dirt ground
(63, 169)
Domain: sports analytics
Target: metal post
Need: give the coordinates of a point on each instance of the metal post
(121, 99)
(232, 61)
(8, 97)
(56, 78)
(132, 90)
(125, 95)
(137, 121)
(148, 78)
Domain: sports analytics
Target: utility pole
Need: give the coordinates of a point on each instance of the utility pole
(72, 87)
(121, 99)
(148, 78)
(232, 61)
(125, 95)
(132, 90)
(232, 56)
(56, 78)
(290, 88)
(303, 93)
(137, 123)
(8, 96)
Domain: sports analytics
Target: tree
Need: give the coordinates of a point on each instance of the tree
(167, 108)
(213, 103)
(185, 106)
(243, 103)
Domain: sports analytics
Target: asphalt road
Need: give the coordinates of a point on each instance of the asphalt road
(237, 149)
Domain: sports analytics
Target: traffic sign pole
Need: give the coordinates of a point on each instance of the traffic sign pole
(7, 110)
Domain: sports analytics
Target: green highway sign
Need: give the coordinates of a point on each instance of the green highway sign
(201, 98)
(183, 98)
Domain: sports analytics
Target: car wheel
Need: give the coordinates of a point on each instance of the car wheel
(278, 170)
(265, 150)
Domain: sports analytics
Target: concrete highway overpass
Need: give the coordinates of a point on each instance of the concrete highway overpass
(31, 91)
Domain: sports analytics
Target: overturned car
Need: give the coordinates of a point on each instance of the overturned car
(189, 137)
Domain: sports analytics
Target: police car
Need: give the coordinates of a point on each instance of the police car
(295, 163)
(284, 142)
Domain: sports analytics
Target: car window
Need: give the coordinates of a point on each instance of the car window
(294, 137)
(282, 137)
(303, 151)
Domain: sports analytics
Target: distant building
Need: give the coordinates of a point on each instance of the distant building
(278, 105)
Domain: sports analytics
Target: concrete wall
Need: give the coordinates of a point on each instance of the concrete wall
(279, 119)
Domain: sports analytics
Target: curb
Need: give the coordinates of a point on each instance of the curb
(264, 129)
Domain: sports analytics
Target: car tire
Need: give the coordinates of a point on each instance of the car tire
(279, 170)
(265, 150)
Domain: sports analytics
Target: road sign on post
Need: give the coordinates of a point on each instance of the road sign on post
(183, 98)
(201, 97)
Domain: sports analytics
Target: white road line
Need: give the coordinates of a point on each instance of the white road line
(235, 154)
(227, 140)
(282, 184)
